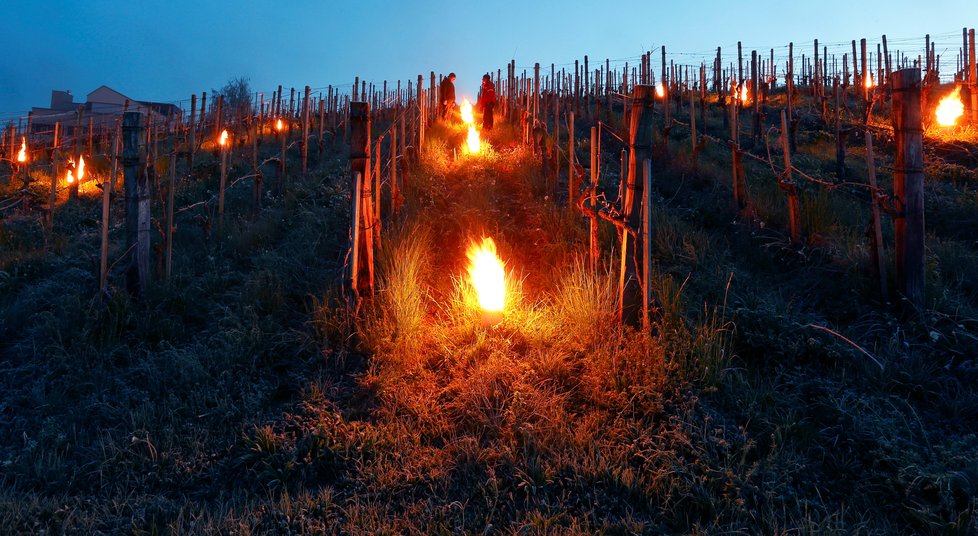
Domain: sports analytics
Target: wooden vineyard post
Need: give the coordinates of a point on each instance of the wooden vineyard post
(594, 250)
(108, 188)
(973, 77)
(840, 136)
(692, 126)
(377, 191)
(908, 185)
(137, 202)
(640, 145)
(192, 131)
(322, 126)
(305, 131)
(877, 249)
(223, 144)
(737, 166)
(169, 216)
(280, 183)
(55, 161)
(790, 80)
(571, 160)
(392, 149)
(361, 260)
(353, 268)
(788, 185)
(647, 217)
(73, 185)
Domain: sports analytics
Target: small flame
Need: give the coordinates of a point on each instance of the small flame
(472, 141)
(660, 90)
(69, 177)
(869, 81)
(743, 93)
(950, 109)
(487, 275)
(22, 154)
(466, 110)
(224, 138)
(81, 168)
(278, 125)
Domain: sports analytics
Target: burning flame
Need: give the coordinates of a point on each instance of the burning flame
(466, 110)
(950, 109)
(660, 90)
(278, 125)
(869, 81)
(487, 275)
(70, 177)
(22, 154)
(743, 93)
(224, 138)
(472, 142)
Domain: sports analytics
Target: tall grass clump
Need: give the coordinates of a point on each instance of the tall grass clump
(393, 326)
(586, 304)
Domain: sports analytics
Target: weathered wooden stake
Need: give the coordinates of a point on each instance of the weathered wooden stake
(55, 169)
(908, 185)
(137, 203)
(788, 184)
(220, 192)
(361, 170)
(877, 250)
(107, 189)
(571, 160)
(305, 131)
(648, 300)
(640, 144)
(169, 215)
(594, 250)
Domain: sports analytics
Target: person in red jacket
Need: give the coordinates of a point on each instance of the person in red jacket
(487, 101)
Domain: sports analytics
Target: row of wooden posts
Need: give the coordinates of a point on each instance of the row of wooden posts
(906, 205)
(536, 103)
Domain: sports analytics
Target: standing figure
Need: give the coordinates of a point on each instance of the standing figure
(446, 95)
(487, 101)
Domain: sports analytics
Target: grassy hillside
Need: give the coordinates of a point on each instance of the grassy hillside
(245, 396)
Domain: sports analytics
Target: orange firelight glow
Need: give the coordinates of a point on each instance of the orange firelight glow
(466, 109)
(278, 125)
(660, 90)
(949, 109)
(224, 138)
(487, 275)
(22, 154)
(869, 81)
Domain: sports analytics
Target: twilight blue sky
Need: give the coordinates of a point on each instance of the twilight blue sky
(164, 51)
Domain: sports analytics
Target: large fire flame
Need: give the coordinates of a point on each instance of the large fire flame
(743, 93)
(487, 275)
(950, 109)
(466, 109)
(224, 138)
(22, 153)
(472, 142)
(71, 177)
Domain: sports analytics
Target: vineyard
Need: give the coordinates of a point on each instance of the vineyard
(677, 293)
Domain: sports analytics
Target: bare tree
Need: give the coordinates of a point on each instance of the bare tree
(237, 96)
